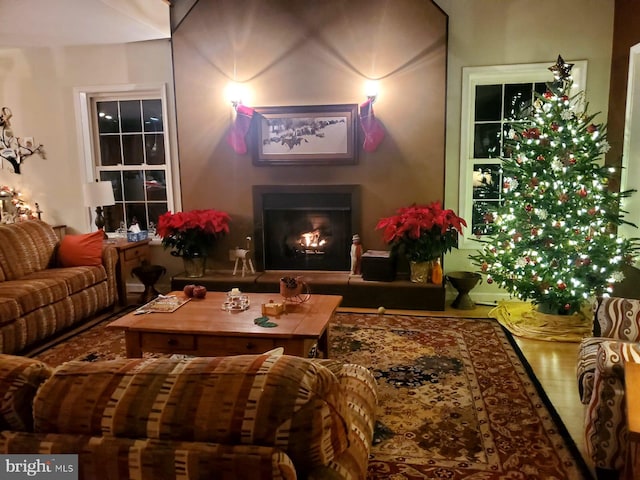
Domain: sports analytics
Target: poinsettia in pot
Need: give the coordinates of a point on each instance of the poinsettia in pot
(423, 233)
(192, 234)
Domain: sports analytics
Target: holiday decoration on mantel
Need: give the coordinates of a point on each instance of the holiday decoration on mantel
(555, 240)
(15, 149)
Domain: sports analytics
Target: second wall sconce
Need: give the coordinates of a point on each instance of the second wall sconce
(373, 130)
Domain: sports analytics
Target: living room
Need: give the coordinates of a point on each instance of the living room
(417, 51)
(474, 31)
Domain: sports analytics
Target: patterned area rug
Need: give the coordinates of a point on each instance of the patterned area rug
(456, 399)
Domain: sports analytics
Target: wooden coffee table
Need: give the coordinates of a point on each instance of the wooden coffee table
(201, 327)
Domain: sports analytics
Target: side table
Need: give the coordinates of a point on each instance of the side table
(130, 255)
(632, 398)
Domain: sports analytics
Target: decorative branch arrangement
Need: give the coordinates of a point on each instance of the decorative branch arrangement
(15, 149)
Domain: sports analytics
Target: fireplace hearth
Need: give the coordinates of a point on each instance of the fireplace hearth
(305, 227)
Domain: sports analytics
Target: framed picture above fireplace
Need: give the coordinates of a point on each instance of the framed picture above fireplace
(305, 135)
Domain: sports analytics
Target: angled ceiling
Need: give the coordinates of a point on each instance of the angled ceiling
(58, 23)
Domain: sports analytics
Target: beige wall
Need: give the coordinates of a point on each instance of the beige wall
(38, 83)
(312, 53)
(496, 32)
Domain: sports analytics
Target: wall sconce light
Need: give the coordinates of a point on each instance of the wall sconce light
(235, 93)
(373, 130)
(371, 89)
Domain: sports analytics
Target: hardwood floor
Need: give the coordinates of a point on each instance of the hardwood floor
(553, 363)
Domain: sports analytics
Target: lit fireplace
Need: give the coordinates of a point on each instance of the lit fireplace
(312, 243)
(300, 227)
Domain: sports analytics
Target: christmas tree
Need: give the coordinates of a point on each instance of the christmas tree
(555, 240)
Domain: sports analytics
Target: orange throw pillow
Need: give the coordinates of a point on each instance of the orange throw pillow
(81, 250)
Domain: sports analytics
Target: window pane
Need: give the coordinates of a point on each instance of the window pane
(486, 141)
(517, 100)
(152, 114)
(116, 183)
(132, 149)
(133, 186)
(156, 185)
(113, 215)
(154, 146)
(540, 87)
(136, 212)
(488, 102)
(110, 150)
(155, 210)
(482, 217)
(107, 117)
(131, 116)
(486, 181)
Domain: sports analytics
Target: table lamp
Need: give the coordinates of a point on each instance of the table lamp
(98, 195)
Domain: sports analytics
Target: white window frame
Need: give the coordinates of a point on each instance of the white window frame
(490, 75)
(630, 175)
(85, 97)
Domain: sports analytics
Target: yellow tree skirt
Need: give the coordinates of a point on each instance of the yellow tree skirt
(523, 320)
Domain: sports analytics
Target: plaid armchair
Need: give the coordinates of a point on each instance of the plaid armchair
(600, 372)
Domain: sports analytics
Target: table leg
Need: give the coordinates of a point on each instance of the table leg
(323, 344)
(133, 342)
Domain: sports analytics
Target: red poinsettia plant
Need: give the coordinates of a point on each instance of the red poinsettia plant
(192, 233)
(425, 232)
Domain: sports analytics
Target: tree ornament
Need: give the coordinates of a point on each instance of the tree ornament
(561, 70)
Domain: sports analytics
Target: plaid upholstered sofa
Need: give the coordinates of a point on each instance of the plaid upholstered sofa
(38, 298)
(226, 418)
(601, 359)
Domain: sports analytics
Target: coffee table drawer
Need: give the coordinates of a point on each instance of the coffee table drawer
(166, 343)
(218, 346)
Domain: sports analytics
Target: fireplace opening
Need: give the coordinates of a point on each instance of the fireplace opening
(305, 227)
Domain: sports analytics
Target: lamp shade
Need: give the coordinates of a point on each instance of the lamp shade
(98, 194)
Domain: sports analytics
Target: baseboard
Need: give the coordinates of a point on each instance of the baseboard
(489, 299)
(134, 287)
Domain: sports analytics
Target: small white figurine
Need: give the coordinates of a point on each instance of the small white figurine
(356, 255)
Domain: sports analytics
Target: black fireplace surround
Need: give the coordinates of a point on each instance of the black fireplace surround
(305, 227)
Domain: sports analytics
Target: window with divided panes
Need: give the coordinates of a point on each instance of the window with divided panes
(496, 108)
(131, 137)
(493, 99)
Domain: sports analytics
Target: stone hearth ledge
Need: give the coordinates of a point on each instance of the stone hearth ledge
(356, 292)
